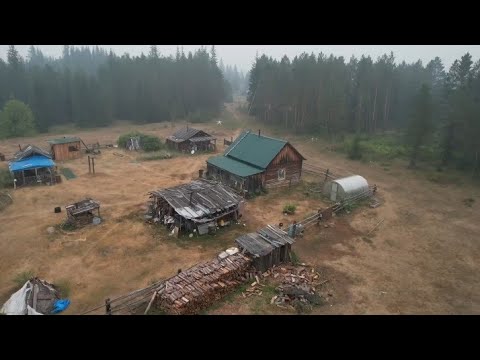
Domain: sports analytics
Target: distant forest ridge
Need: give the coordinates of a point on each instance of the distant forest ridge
(436, 110)
(91, 87)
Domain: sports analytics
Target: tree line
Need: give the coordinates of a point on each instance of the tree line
(325, 94)
(90, 87)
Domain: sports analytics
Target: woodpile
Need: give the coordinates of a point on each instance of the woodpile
(298, 286)
(198, 287)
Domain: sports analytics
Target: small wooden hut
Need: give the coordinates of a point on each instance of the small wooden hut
(65, 148)
(188, 139)
(269, 246)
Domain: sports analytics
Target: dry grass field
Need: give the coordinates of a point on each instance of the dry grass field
(421, 260)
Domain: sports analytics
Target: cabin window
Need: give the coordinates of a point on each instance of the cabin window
(281, 174)
(72, 148)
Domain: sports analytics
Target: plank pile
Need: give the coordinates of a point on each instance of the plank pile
(201, 285)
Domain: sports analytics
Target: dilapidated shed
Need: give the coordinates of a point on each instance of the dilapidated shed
(188, 139)
(268, 246)
(83, 212)
(201, 205)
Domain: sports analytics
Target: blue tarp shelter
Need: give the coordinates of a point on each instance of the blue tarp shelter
(32, 165)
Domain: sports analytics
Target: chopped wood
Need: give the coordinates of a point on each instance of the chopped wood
(258, 280)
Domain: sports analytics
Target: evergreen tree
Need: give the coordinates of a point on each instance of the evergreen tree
(420, 124)
(16, 119)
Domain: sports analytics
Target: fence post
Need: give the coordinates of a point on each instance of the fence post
(108, 307)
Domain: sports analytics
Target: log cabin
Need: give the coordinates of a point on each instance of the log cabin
(255, 162)
(188, 139)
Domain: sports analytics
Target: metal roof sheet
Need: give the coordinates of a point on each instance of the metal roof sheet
(234, 166)
(64, 140)
(184, 133)
(257, 150)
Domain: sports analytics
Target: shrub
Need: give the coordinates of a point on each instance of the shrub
(150, 143)
(355, 150)
(289, 209)
(6, 179)
(147, 142)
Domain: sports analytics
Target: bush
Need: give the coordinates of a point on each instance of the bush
(289, 209)
(6, 179)
(147, 142)
(355, 150)
(150, 143)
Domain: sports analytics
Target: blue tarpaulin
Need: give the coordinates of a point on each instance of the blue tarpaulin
(60, 305)
(32, 162)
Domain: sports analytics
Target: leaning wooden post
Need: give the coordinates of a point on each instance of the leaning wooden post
(89, 168)
(108, 307)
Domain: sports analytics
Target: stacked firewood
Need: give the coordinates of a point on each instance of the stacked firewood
(198, 287)
(298, 286)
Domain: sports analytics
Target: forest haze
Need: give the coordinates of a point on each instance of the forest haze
(426, 105)
(90, 87)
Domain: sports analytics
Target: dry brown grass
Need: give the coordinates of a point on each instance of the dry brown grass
(421, 260)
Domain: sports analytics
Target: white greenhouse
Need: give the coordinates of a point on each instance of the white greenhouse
(344, 188)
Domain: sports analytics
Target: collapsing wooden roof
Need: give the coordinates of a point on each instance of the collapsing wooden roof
(199, 200)
(30, 150)
(188, 133)
(264, 241)
(82, 207)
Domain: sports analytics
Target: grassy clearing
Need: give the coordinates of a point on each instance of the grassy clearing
(158, 155)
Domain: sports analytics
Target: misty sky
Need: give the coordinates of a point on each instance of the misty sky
(243, 55)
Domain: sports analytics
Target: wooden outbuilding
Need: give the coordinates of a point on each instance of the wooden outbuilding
(65, 148)
(253, 162)
(268, 246)
(188, 139)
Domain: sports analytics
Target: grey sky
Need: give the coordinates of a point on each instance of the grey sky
(243, 55)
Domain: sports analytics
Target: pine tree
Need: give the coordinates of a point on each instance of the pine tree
(420, 123)
(153, 52)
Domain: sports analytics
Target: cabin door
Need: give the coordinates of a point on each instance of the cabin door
(333, 193)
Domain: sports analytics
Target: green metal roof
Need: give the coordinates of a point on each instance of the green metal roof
(234, 166)
(64, 140)
(256, 150)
